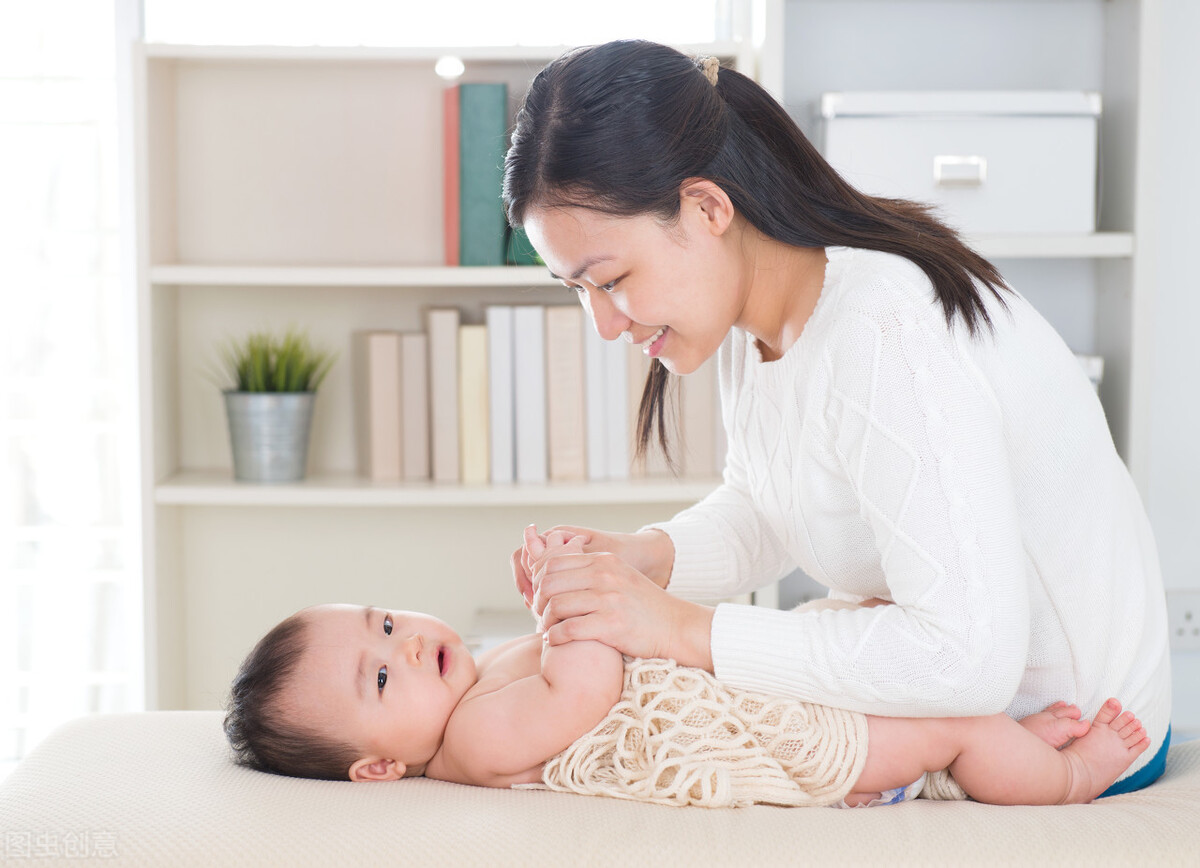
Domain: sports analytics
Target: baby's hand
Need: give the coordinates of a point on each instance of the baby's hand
(538, 547)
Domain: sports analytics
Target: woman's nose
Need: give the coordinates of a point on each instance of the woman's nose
(609, 321)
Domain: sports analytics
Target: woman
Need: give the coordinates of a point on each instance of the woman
(901, 424)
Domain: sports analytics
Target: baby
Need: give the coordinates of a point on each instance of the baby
(367, 694)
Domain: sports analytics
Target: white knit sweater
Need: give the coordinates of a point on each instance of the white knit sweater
(972, 481)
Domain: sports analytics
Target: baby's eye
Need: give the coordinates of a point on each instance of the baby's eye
(381, 678)
(387, 624)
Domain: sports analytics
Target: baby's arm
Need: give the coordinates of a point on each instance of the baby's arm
(530, 707)
(502, 737)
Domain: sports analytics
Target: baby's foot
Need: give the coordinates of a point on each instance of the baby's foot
(1097, 759)
(1057, 725)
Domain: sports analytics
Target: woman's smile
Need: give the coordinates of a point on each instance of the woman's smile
(652, 345)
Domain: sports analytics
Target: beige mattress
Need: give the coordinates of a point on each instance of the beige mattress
(158, 788)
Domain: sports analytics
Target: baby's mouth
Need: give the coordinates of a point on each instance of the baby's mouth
(442, 661)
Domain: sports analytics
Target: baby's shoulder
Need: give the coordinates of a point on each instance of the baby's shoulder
(507, 662)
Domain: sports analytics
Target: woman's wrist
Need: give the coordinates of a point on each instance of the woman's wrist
(659, 558)
(690, 643)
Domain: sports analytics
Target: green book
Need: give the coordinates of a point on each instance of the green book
(520, 251)
(483, 140)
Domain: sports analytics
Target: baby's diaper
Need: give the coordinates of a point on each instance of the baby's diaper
(891, 797)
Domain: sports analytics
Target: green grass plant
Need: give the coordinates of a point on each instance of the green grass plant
(263, 362)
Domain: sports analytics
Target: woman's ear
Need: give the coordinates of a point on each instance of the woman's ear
(377, 769)
(706, 202)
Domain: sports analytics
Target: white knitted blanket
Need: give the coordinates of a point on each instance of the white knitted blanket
(680, 737)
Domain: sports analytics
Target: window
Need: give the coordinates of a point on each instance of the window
(70, 579)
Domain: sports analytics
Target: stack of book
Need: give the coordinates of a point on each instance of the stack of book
(474, 141)
(530, 395)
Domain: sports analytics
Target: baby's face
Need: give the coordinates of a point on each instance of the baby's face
(385, 681)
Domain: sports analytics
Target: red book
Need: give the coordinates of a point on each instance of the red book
(450, 174)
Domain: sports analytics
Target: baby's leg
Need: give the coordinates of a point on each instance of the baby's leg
(997, 760)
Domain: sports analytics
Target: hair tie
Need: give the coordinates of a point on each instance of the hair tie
(710, 66)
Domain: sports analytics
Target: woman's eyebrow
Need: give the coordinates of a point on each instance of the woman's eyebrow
(588, 263)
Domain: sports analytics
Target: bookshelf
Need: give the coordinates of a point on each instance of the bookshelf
(1093, 288)
(302, 185)
(329, 217)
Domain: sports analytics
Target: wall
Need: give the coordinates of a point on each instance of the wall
(1169, 225)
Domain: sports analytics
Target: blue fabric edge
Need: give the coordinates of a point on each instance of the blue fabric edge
(1146, 775)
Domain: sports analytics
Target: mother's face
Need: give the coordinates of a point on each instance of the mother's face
(673, 290)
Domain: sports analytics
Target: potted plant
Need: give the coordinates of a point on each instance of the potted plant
(271, 403)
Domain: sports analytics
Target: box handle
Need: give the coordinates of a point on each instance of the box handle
(959, 171)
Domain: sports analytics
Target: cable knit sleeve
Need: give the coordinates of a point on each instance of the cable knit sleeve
(919, 440)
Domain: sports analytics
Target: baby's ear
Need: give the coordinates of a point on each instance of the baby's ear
(377, 769)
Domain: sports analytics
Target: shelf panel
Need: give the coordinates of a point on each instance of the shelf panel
(1096, 245)
(1099, 245)
(418, 54)
(217, 488)
(350, 275)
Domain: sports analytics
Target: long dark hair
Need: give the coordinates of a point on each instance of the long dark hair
(258, 727)
(619, 127)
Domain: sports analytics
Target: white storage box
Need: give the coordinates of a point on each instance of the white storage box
(1014, 162)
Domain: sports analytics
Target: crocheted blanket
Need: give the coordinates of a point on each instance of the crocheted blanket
(679, 737)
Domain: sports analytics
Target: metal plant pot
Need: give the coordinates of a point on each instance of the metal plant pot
(269, 434)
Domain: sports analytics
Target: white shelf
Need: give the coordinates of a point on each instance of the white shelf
(350, 275)
(483, 53)
(1096, 245)
(217, 488)
(1099, 245)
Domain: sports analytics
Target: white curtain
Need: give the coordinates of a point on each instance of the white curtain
(70, 583)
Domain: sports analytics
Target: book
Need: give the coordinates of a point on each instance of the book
(698, 421)
(377, 404)
(450, 175)
(529, 392)
(414, 399)
(473, 441)
(607, 403)
(482, 136)
(520, 250)
(564, 392)
(501, 430)
(595, 391)
(442, 329)
(618, 442)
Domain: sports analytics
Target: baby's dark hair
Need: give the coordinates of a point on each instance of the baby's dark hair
(259, 729)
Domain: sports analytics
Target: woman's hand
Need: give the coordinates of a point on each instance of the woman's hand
(597, 595)
(649, 552)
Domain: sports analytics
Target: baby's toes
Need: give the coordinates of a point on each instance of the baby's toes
(1108, 712)
(1126, 725)
(1064, 709)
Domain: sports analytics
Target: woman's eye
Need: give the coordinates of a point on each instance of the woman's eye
(387, 625)
(381, 679)
(608, 287)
